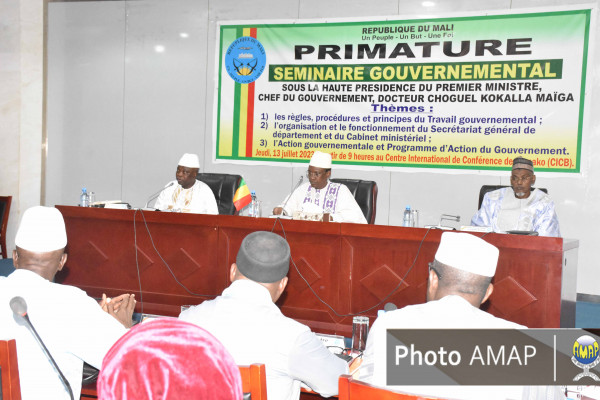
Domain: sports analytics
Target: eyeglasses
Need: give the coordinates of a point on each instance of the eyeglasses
(514, 178)
(434, 270)
(310, 174)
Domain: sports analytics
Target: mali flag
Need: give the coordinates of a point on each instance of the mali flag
(242, 196)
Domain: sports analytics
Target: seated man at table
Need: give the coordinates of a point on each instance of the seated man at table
(518, 207)
(247, 321)
(186, 193)
(459, 281)
(72, 325)
(320, 196)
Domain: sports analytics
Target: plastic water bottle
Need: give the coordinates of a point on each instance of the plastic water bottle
(83, 198)
(408, 217)
(253, 211)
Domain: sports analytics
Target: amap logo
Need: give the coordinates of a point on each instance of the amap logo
(585, 356)
(245, 59)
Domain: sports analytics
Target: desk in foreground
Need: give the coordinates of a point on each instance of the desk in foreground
(350, 267)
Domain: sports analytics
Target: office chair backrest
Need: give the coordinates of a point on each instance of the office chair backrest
(365, 194)
(489, 188)
(4, 212)
(254, 381)
(223, 187)
(351, 389)
(9, 371)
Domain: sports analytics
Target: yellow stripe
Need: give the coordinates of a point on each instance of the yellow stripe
(241, 192)
(243, 112)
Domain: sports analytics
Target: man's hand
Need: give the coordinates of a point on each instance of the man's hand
(121, 308)
(115, 300)
(277, 210)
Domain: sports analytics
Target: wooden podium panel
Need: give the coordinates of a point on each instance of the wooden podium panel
(103, 247)
(351, 268)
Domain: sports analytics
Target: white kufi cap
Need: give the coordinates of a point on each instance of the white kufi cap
(42, 230)
(321, 160)
(468, 253)
(189, 160)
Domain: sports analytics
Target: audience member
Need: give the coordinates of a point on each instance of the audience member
(169, 359)
(72, 325)
(459, 281)
(246, 320)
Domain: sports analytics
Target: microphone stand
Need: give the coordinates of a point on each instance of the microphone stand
(155, 195)
(38, 339)
(290, 195)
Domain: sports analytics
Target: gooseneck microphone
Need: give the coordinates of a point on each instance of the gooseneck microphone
(19, 308)
(290, 195)
(155, 195)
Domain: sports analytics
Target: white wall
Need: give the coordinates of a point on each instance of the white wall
(21, 106)
(120, 114)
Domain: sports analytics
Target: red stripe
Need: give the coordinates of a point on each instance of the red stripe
(250, 120)
(250, 111)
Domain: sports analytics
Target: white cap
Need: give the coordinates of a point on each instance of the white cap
(321, 160)
(42, 230)
(189, 160)
(468, 253)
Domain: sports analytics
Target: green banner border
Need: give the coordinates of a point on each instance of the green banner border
(584, 11)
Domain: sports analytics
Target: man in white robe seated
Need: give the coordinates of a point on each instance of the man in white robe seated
(319, 196)
(459, 282)
(518, 208)
(252, 328)
(72, 325)
(186, 193)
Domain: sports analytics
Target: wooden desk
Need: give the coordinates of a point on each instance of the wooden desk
(351, 267)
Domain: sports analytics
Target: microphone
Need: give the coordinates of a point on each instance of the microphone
(19, 308)
(155, 195)
(290, 195)
(389, 307)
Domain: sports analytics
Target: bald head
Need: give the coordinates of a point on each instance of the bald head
(45, 264)
(454, 281)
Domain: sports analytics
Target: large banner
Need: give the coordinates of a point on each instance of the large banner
(468, 92)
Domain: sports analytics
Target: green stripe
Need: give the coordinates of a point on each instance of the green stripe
(475, 18)
(221, 52)
(584, 62)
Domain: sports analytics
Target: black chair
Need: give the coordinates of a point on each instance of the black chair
(4, 211)
(223, 187)
(365, 194)
(489, 188)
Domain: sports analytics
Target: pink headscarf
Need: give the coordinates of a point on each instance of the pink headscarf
(168, 359)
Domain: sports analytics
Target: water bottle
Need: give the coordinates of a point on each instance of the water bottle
(408, 217)
(83, 198)
(253, 211)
